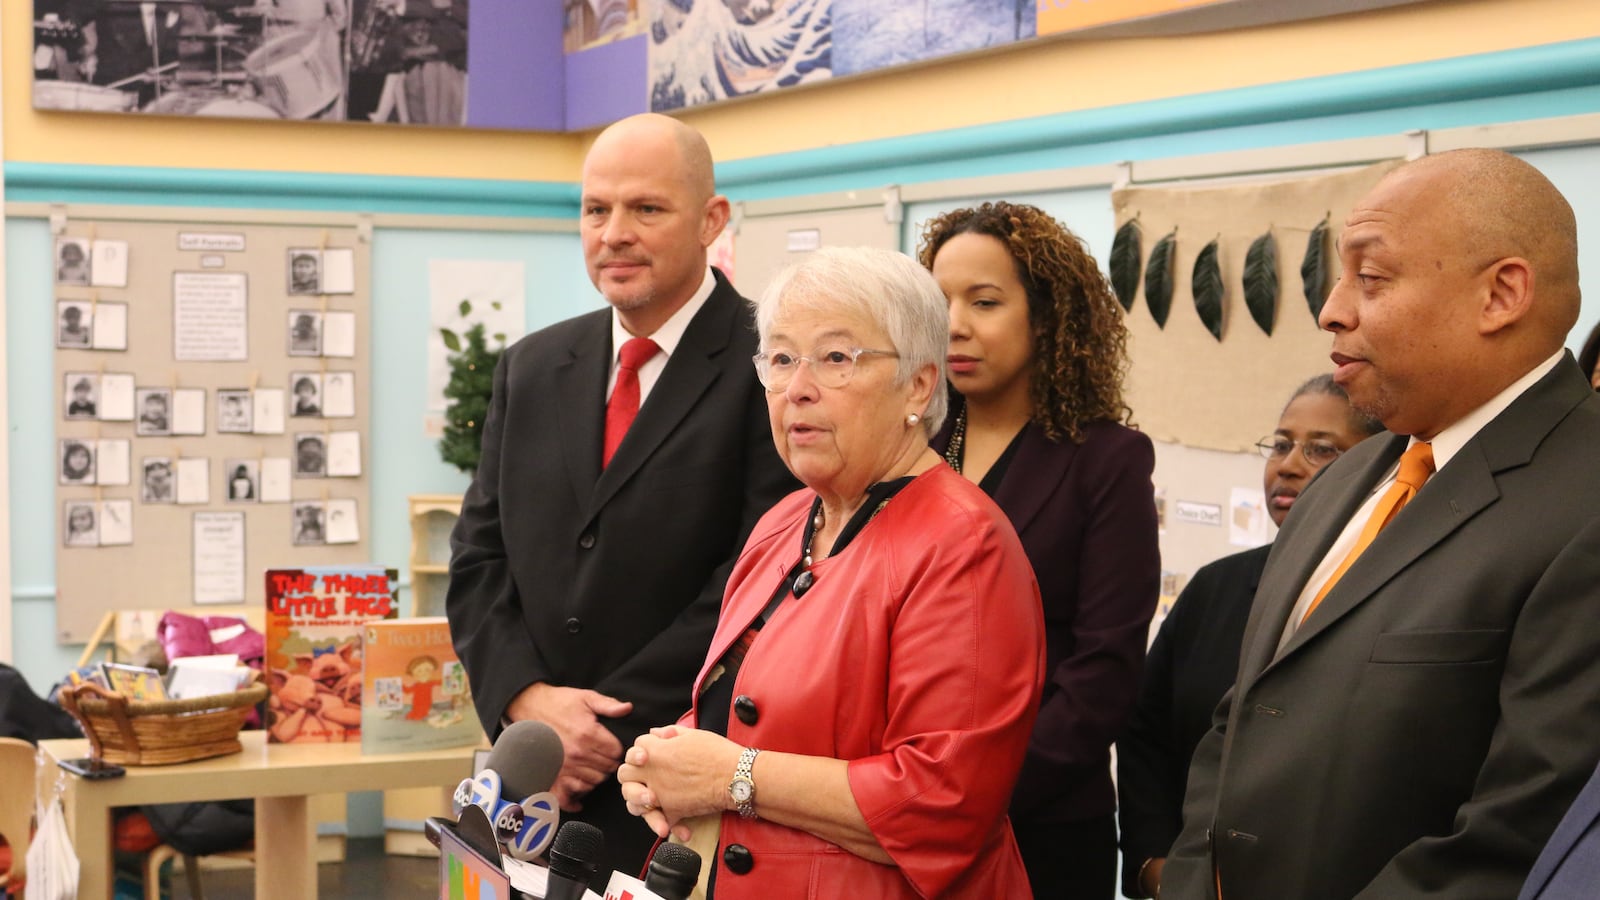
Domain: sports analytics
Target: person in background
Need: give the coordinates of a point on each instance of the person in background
(1037, 350)
(626, 457)
(1589, 357)
(1416, 694)
(1196, 652)
(859, 722)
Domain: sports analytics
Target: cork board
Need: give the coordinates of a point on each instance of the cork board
(1186, 386)
(207, 321)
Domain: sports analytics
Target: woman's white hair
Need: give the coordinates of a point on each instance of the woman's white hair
(887, 288)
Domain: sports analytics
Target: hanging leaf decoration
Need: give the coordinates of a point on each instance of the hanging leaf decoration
(1125, 256)
(1158, 278)
(1314, 268)
(1208, 289)
(1261, 281)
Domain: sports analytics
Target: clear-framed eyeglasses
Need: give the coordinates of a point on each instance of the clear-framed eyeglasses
(1316, 451)
(830, 366)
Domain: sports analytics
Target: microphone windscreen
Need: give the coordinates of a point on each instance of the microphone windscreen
(674, 870)
(576, 851)
(527, 756)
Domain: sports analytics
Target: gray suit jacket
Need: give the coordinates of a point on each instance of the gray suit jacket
(1424, 730)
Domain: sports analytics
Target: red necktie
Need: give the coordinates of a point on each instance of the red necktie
(624, 404)
(1416, 464)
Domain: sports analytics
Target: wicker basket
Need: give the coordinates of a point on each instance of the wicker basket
(160, 732)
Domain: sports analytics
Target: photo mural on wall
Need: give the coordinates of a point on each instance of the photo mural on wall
(330, 60)
(707, 50)
(540, 65)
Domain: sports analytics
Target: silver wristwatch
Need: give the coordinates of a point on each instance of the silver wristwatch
(742, 789)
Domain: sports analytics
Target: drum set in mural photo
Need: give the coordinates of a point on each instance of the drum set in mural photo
(335, 60)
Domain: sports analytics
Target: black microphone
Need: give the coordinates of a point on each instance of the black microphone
(674, 871)
(574, 860)
(513, 789)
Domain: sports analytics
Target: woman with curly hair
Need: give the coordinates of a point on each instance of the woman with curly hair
(1037, 353)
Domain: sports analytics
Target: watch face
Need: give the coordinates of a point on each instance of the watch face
(740, 790)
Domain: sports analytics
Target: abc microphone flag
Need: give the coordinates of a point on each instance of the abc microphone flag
(513, 789)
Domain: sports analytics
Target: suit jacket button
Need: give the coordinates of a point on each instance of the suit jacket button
(745, 709)
(738, 859)
(587, 541)
(574, 625)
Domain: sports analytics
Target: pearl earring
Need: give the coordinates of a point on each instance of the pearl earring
(913, 419)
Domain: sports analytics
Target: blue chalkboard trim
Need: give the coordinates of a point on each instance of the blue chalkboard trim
(1025, 144)
(225, 188)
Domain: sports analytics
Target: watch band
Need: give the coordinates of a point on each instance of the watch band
(746, 805)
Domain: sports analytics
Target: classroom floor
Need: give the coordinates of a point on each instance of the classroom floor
(366, 874)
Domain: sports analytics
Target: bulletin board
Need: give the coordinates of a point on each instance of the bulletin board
(1189, 386)
(212, 410)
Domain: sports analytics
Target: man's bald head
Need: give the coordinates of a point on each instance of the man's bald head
(650, 211)
(658, 134)
(1503, 207)
(1458, 275)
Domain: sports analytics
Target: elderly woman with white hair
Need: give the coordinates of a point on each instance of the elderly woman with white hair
(864, 709)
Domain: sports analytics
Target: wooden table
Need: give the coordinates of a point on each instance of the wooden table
(278, 776)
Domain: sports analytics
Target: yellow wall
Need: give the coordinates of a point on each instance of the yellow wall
(1036, 79)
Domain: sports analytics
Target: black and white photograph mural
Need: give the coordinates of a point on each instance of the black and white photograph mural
(366, 60)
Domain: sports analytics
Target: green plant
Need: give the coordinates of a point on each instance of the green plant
(472, 363)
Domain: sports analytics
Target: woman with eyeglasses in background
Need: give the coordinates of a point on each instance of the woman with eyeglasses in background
(1196, 652)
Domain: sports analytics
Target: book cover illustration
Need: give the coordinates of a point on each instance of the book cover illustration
(135, 682)
(415, 689)
(314, 622)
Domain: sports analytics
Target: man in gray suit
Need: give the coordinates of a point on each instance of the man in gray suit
(615, 490)
(1415, 709)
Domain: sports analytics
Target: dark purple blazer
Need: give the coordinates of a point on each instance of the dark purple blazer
(1087, 518)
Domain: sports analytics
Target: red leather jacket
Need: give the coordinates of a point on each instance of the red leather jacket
(917, 655)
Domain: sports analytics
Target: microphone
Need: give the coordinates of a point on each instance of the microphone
(513, 789)
(674, 871)
(574, 860)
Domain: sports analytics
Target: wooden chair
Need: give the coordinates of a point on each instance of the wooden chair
(17, 794)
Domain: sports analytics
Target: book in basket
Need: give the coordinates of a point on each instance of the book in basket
(414, 692)
(315, 617)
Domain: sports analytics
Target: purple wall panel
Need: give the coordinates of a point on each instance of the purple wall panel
(607, 83)
(515, 67)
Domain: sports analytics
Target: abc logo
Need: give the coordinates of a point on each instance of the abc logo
(508, 822)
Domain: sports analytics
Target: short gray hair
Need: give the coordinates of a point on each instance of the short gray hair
(882, 286)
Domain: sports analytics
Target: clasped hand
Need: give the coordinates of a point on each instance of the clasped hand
(673, 774)
(592, 751)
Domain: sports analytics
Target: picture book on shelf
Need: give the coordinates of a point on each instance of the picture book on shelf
(314, 622)
(414, 689)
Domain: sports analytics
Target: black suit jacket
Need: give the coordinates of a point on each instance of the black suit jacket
(610, 580)
(1087, 519)
(1190, 666)
(1421, 734)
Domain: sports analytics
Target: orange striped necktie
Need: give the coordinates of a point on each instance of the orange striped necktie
(1416, 464)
